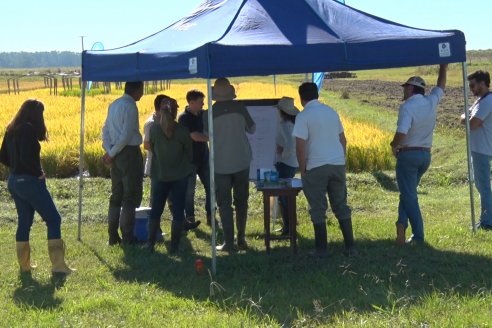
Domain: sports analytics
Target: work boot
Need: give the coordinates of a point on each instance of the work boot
(127, 224)
(348, 237)
(24, 256)
(113, 225)
(176, 231)
(320, 240)
(56, 249)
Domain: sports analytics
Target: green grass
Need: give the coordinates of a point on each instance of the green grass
(445, 283)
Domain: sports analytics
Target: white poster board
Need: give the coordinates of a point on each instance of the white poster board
(263, 141)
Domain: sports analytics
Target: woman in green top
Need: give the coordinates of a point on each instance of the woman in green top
(171, 148)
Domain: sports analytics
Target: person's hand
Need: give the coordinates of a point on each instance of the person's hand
(42, 176)
(108, 160)
(394, 150)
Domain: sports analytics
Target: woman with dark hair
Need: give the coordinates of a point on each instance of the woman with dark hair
(20, 151)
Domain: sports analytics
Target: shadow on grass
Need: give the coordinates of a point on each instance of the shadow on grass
(282, 285)
(385, 181)
(39, 296)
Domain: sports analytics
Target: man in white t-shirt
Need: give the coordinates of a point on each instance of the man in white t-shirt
(321, 149)
(411, 146)
(481, 142)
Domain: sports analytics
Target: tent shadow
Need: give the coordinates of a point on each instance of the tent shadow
(33, 294)
(281, 283)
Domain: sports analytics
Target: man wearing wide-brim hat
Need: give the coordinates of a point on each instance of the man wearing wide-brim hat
(232, 159)
(411, 146)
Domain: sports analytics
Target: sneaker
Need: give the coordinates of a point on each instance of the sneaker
(400, 234)
(229, 248)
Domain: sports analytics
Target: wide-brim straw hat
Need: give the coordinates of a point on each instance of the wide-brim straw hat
(223, 90)
(286, 104)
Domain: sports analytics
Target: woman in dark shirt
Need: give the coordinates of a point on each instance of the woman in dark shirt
(20, 151)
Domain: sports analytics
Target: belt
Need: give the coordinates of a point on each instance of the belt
(414, 149)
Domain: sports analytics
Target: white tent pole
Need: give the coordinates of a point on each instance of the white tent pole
(81, 158)
(212, 174)
(471, 178)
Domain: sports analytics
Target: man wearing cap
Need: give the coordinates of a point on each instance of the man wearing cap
(321, 149)
(233, 155)
(287, 164)
(411, 146)
(481, 142)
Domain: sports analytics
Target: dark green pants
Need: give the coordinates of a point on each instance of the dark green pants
(227, 187)
(127, 178)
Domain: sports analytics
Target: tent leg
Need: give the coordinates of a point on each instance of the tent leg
(212, 175)
(468, 149)
(81, 159)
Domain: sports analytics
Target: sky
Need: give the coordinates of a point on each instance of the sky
(34, 25)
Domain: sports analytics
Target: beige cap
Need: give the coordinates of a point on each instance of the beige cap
(416, 81)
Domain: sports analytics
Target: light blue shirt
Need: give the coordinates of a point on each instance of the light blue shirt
(481, 138)
(121, 127)
(417, 118)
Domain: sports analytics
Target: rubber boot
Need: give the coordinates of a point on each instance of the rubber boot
(228, 232)
(127, 223)
(176, 231)
(241, 218)
(400, 235)
(113, 225)
(56, 249)
(348, 237)
(154, 227)
(24, 256)
(320, 240)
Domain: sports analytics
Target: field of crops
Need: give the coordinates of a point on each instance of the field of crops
(367, 145)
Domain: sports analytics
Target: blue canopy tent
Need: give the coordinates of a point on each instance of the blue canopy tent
(263, 37)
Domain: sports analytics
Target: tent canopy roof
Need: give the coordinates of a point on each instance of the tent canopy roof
(263, 37)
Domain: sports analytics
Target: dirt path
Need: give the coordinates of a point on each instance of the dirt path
(388, 96)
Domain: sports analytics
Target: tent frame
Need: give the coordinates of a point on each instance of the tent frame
(212, 157)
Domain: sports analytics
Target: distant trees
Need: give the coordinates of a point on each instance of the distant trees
(39, 59)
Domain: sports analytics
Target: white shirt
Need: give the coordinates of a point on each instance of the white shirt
(417, 118)
(321, 127)
(287, 141)
(121, 127)
(148, 159)
(481, 138)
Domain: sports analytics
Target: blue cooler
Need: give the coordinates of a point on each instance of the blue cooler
(141, 227)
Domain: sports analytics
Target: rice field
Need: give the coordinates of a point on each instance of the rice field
(367, 145)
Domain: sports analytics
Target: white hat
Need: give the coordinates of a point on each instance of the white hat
(416, 81)
(286, 104)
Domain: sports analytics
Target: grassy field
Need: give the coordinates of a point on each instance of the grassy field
(445, 283)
